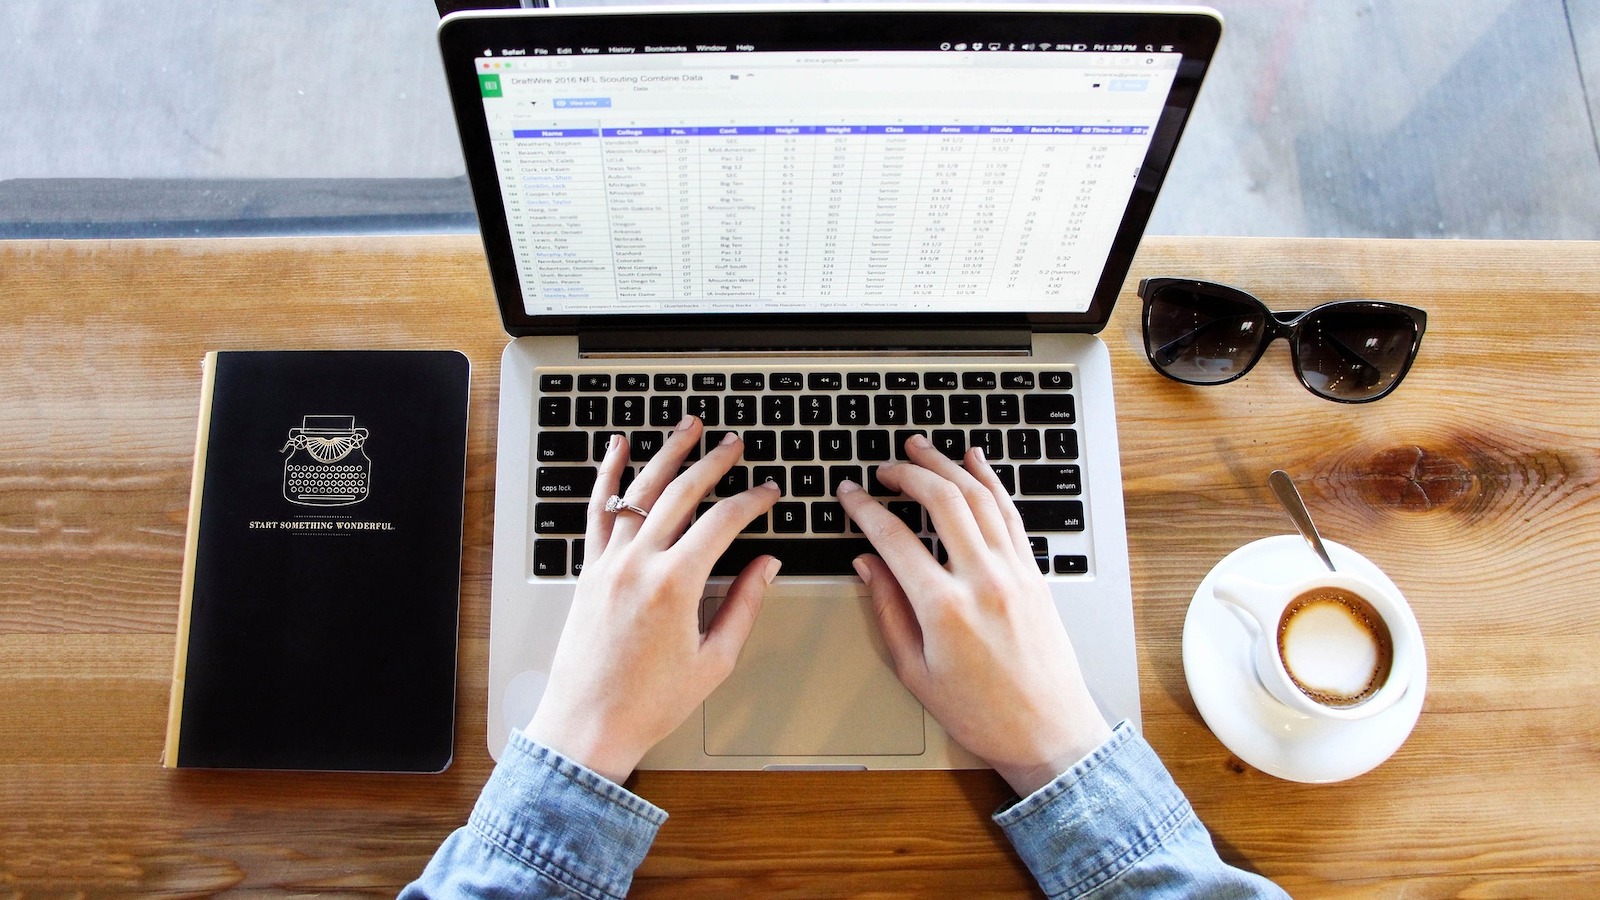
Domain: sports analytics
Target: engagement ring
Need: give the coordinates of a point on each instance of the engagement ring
(617, 504)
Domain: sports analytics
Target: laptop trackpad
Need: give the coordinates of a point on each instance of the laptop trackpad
(813, 680)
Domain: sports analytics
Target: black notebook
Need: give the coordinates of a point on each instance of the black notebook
(321, 585)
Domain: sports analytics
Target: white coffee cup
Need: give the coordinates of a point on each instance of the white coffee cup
(1331, 646)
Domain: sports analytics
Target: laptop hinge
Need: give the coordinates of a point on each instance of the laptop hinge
(807, 342)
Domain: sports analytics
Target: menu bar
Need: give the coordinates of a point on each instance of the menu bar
(943, 46)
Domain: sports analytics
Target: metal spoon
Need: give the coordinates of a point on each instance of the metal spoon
(1284, 488)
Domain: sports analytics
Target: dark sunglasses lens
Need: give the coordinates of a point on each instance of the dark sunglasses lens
(1355, 352)
(1200, 338)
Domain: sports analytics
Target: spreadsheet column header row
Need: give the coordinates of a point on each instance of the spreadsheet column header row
(793, 130)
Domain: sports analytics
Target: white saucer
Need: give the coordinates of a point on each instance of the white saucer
(1252, 723)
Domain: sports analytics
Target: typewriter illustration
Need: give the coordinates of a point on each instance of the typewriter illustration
(326, 465)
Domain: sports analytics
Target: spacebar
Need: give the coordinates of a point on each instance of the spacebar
(800, 556)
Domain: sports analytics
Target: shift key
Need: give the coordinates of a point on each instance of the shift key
(1051, 515)
(560, 518)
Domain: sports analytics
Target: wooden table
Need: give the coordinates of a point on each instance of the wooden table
(1474, 487)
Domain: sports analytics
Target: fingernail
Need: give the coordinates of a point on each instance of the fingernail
(847, 487)
(771, 570)
(729, 438)
(614, 443)
(769, 483)
(920, 441)
(862, 569)
(978, 454)
(685, 423)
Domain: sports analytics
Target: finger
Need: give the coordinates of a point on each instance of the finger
(953, 517)
(980, 498)
(736, 618)
(597, 533)
(676, 505)
(895, 543)
(978, 465)
(712, 533)
(896, 618)
(657, 474)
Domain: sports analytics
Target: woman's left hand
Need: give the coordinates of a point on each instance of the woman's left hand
(632, 663)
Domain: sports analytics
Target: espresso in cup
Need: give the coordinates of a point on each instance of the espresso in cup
(1335, 647)
(1331, 645)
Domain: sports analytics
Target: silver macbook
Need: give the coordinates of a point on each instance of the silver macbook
(826, 228)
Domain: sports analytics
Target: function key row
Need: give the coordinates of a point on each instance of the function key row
(679, 382)
(735, 410)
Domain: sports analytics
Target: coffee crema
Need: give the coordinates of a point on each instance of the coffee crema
(1335, 646)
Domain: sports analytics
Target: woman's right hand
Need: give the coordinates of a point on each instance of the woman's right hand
(978, 641)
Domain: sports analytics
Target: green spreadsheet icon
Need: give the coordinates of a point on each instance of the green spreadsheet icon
(489, 85)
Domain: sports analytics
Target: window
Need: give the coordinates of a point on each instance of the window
(1394, 118)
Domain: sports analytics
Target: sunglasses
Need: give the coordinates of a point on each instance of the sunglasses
(1352, 351)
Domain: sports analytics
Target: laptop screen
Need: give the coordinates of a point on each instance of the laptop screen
(932, 164)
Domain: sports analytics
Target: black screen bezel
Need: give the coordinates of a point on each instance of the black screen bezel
(464, 36)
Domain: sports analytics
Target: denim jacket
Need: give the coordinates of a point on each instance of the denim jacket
(1113, 825)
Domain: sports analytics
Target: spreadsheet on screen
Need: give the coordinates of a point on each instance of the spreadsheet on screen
(890, 180)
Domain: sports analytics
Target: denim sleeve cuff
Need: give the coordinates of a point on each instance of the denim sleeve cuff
(564, 821)
(1098, 819)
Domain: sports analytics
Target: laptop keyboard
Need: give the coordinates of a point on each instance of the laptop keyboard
(808, 429)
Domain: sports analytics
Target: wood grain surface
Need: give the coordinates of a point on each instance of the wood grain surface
(1473, 486)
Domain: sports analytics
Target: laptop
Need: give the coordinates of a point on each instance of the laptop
(827, 228)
